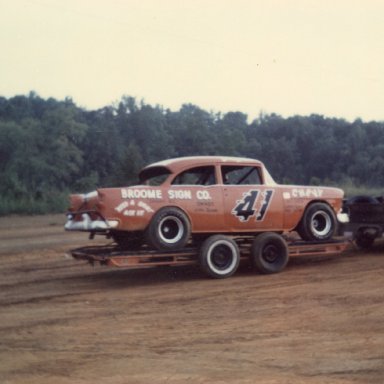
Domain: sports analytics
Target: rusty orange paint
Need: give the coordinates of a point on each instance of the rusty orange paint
(249, 203)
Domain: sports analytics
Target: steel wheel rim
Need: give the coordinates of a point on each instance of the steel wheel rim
(321, 223)
(221, 257)
(270, 253)
(171, 229)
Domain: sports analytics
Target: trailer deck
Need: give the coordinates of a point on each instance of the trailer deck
(112, 255)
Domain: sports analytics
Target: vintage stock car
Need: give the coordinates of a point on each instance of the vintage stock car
(187, 199)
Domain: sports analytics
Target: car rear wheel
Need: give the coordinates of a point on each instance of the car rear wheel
(318, 223)
(269, 253)
(169, 229)
(219, 256)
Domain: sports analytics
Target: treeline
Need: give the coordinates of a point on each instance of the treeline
(49, 148)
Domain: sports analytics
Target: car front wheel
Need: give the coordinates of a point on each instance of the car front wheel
(318, 223)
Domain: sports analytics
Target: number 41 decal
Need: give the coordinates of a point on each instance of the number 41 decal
(246, 207)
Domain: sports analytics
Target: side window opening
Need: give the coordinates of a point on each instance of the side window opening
(196, 176)
(240, 175)
(154, 176)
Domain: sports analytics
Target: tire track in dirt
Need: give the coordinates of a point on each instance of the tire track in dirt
(319, 321)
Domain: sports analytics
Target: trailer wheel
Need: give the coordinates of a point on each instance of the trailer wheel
(169, 229)
(318, 223)
(219, 256)
(269, 253)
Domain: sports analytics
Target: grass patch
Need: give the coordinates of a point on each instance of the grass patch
(362, 190)
(52, 203)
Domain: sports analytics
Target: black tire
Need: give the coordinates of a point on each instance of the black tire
(318, 223)
(169, 230)
(269, 253)
(219, 256)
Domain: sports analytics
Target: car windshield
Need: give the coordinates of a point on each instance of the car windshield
(154, 176)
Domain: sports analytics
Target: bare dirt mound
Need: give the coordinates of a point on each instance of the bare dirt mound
(62, 321)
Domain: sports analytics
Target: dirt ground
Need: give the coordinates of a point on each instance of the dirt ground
(62, 321)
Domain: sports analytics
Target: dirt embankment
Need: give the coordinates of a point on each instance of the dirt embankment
(62, 321)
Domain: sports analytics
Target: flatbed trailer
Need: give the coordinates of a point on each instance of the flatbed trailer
(219, 264)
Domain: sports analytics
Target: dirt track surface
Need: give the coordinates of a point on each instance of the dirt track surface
(62, 321)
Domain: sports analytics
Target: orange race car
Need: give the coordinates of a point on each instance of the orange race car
(193, 197)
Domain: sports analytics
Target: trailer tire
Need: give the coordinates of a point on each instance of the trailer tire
(219, 256)
(269, 253)
(169, 230)
(318, 223)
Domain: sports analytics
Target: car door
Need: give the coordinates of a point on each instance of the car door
(250, 205)
(197, 192)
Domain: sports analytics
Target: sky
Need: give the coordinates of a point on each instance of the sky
(294, 57)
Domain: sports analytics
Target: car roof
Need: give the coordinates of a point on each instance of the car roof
(179, 163)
